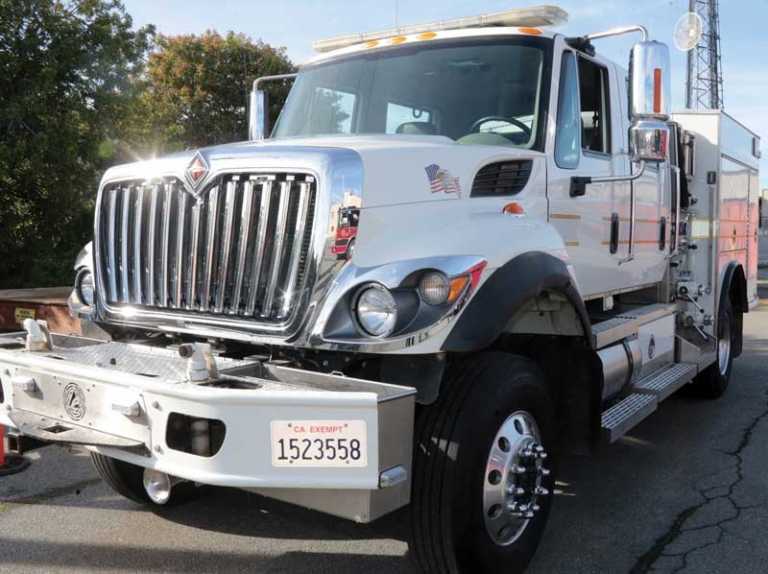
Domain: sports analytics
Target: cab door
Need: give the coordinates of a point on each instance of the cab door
(586, 142)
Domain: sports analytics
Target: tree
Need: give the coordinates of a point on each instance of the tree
(67, 78)
(196, 89)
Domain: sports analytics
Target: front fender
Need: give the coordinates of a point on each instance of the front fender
(518, 281)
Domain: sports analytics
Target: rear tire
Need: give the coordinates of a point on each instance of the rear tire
(127, 480)
(469, 459)
(713, 381)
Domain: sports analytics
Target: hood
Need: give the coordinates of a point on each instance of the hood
(397, 169)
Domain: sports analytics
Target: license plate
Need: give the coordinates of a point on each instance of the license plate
(319, 443)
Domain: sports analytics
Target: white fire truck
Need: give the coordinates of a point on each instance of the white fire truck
(543, 254)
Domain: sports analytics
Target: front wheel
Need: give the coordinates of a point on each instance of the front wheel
(712, 382)
(483, 468)
(127, 480)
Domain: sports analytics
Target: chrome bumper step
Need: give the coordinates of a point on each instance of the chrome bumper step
(647, 394)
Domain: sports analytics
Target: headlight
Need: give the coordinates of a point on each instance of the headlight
(84, 286)
(376, 311)
(434, 288)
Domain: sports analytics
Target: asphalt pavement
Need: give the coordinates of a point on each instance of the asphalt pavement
(686, 491)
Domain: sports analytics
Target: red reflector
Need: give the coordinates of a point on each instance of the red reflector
(657, 90)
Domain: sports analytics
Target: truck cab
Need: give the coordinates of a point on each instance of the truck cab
(463, 248)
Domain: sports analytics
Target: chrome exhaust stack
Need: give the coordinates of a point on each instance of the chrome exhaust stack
(159, 485)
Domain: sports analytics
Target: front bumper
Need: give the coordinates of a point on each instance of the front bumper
(117, 399)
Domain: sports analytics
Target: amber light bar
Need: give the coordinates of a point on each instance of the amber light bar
(534, 16)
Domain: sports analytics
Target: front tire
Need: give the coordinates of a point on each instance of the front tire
(127, 480)
(483, 468)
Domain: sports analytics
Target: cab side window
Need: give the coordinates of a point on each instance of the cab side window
(595, 112)
(568, 138)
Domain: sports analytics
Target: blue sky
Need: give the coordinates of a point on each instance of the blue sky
(295, 24)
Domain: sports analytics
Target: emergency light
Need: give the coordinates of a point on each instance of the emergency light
(534, 16)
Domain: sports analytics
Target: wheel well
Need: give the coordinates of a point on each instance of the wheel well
(737, 290)
(735, 282)
(574, 378)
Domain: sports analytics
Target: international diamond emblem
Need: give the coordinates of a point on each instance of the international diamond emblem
(197, 170)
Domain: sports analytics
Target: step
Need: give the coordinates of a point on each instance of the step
(627, 413)
(627, 323)
(664, 383)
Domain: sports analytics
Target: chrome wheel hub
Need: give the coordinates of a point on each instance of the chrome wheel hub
(514, 473)
(724, 347)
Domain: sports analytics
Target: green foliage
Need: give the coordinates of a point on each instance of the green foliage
(196, 90)
(80, 90)
(66, 72)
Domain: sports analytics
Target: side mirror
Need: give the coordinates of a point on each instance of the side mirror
(649, 141)
(649, 97)
(258, 115)
(649, 81)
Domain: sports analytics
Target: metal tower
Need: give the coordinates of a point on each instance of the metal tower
(704, 86)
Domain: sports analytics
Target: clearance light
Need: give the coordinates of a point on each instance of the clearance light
(513, 208)
(527, 18)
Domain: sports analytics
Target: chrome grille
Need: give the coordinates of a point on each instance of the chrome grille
(240, 249)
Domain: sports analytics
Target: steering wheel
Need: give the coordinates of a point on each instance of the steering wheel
(476, 125)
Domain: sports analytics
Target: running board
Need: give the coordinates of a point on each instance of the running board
(627, 323)
(647, 394)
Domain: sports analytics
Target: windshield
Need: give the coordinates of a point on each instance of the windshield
(479, 91)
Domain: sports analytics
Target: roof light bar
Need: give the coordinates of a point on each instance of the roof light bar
(534, 16)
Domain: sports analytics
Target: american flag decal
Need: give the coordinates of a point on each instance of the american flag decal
(441, 181)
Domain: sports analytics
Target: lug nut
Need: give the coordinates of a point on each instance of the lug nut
(535, 507)
(541, 491)
(529, 514)
(538, 448)
(517, 470)
(544, 471)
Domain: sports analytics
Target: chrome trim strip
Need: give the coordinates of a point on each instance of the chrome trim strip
(226, 245)
(277, 248)
(266, 199)
(180, 227)
(245, 230)
(298, 240)
(166, 247)
(152, 241)
(124, 243)
(213, 205)
(195, 242)
(112, 258)
(138, 228)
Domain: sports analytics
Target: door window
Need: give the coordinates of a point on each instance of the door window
(568, 139)
(595, 113)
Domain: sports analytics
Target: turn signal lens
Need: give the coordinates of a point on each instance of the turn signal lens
(434, 288)
(457, 287)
